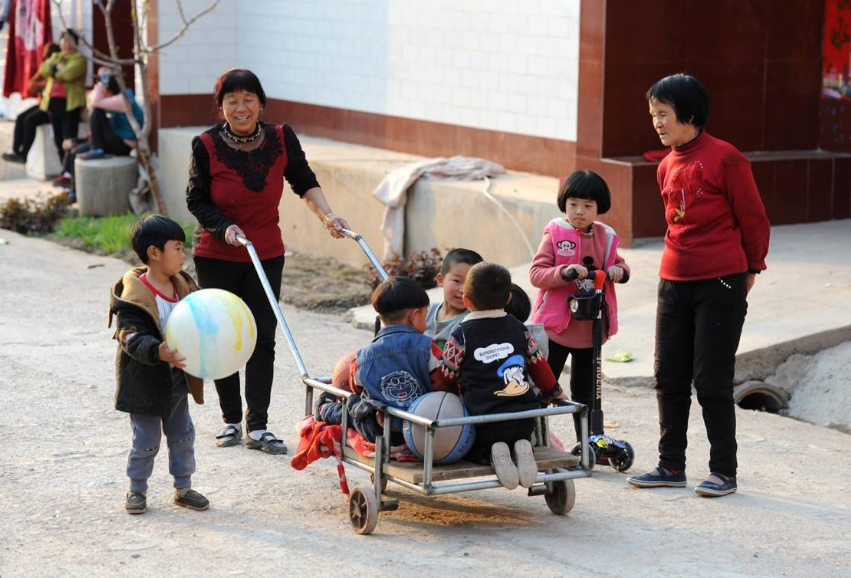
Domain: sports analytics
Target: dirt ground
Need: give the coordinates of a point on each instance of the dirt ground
(63, 452)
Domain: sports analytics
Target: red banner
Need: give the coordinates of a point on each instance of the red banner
(30, 28)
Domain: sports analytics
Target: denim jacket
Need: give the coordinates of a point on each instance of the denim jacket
(394, 368)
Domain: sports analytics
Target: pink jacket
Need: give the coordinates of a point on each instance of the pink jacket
(551, 304)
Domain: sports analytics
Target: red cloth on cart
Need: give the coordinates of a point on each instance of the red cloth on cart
(30, 28)
(319, 440)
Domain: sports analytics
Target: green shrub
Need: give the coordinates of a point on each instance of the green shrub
(30, 216)
(105, 234)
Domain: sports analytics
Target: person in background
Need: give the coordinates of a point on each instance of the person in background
(111, 132)
(28, 121)
(64, 94)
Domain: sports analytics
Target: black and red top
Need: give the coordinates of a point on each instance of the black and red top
(228, 187)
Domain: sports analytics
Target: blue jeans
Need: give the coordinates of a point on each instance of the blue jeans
(180, 436)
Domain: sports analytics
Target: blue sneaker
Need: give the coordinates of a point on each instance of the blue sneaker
(716, 485)
(658, 478)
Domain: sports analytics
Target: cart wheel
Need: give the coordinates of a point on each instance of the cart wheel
(592, 457)
(383, 482)
(623, 461)
(562, 498)
(363, 511)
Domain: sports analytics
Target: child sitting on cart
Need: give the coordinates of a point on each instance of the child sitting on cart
(396, 368)
(491, 356)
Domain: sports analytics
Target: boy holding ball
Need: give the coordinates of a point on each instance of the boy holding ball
(151, 385)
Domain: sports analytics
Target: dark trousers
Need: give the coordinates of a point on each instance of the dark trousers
(25, 126)
(70, 156)
(241, 279)
(488, 434)
(103, 137)
(65, 122)
(698, 326)
(581, 375)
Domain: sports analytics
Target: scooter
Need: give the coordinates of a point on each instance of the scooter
(588, 305)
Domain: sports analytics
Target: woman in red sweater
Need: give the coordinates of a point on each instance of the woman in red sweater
(715, 246)
(236, 180)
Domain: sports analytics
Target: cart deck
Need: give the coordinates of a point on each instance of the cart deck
(412, 472)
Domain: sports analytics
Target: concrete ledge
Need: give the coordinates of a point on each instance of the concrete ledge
(440, 214)
(43, 161)
(104, 185)
(9, 171)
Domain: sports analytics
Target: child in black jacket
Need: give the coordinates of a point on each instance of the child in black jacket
(151, 386)
(491, 356)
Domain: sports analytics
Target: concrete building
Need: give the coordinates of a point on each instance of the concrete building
(541, 86)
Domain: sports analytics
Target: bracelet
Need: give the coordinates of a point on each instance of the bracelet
(327, 218)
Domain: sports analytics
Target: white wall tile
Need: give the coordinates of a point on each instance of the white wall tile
(491, 64)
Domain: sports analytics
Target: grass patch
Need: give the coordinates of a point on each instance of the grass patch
(104, 235)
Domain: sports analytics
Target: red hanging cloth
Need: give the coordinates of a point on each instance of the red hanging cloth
(30, 28)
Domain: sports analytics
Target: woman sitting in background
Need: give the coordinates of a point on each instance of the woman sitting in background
(32, 118)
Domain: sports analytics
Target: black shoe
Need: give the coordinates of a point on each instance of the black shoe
(136, 503)
(189, 498)
(14, 157)
(267, 443)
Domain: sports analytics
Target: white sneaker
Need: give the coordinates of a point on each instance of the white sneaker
(527, 467)
(504, 467)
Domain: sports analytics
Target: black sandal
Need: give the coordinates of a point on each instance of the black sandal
(228, 436)
(267, 443)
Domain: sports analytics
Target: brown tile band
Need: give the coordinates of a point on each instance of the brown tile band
(517, 152)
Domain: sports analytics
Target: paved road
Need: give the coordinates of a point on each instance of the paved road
(63, 450)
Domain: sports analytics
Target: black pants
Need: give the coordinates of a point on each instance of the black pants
(698, 326)
(71, 156)
(490, 433)
(581, 375)
(65, 122)
(241, 279)
(25, 126)
(103, 137)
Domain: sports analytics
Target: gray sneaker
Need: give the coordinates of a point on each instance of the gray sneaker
(135, 503)
(189, 498)
(506, 470)
(228, 436)
(268, 443)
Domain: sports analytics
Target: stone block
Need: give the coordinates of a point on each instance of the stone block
(104, 185)
(43, 160)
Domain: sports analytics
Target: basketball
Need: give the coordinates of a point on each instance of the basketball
(214, 330)
(341, 377)
(450, 443)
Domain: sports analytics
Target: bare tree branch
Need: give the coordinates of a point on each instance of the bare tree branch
(185, 27)
(97, 55)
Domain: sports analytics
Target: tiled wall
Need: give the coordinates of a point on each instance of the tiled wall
(492, 64)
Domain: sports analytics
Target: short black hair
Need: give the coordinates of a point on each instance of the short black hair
(154, 230)
(455, 256)
(519, 306)
(395, 296)
(72, 34)
(50, 50)
(236, 80)
(686, 95)
(585, 185)
(488, 286)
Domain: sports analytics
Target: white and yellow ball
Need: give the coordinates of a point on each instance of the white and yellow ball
(214, 330)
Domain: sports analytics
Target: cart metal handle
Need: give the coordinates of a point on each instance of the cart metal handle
(369, 254)
(273, 301)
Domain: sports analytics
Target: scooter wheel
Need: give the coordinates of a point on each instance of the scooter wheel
(577, 451)
(623, 461)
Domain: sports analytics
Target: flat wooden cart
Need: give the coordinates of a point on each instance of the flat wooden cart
(556, 469)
